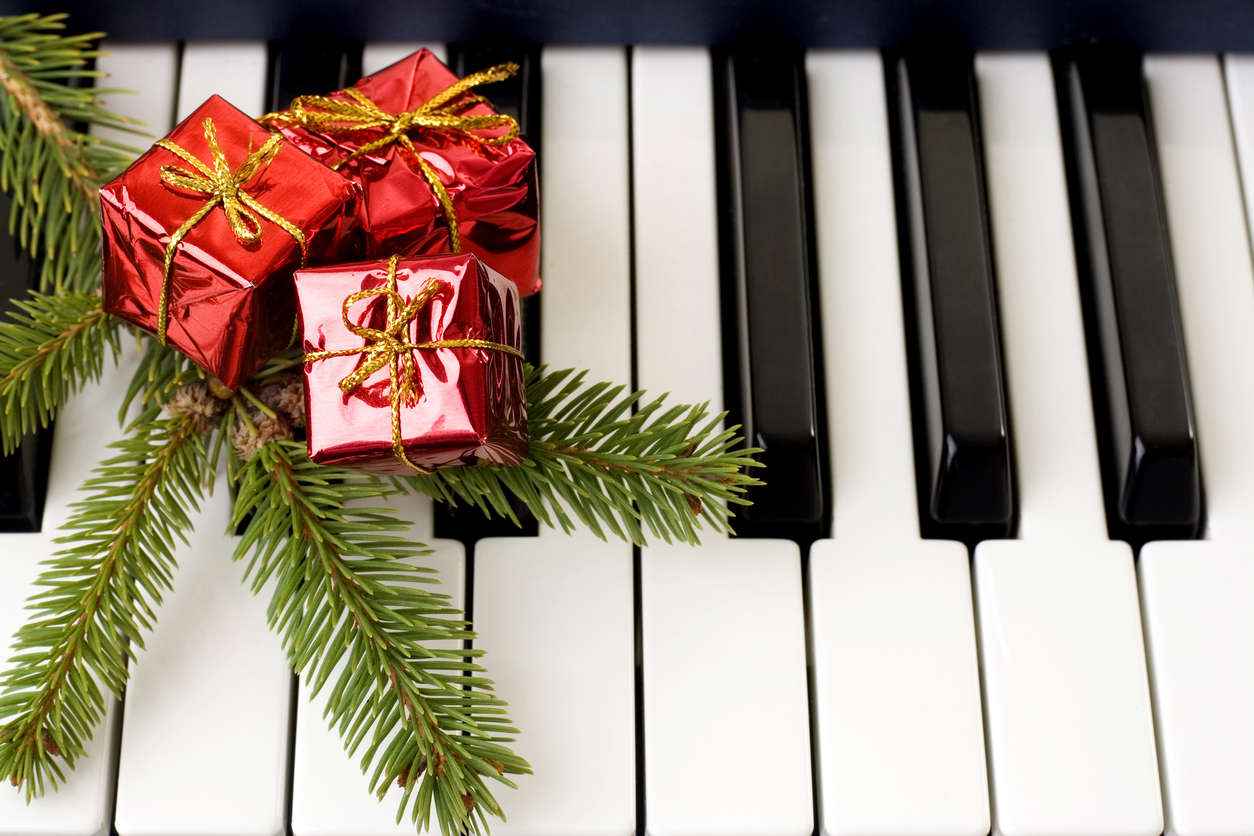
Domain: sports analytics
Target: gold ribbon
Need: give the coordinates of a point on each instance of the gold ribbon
(222, 186)
(442, 112)
(391, 347)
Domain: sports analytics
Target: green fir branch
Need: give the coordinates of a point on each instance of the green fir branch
(358, 621)
(96, 595)
(50, 166)
(610, 459)
(50, 346)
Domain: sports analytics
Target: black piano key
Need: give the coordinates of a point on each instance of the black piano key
(24, 472)
(962, 439)
(773, 376)
(518, 96)
(1136, 349)
(302, 66)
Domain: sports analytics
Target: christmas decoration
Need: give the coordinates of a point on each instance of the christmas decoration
(440, 171)
(319, 539)
(202, 233)
(413, 364)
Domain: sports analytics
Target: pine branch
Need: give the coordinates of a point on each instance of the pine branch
(664, 470)
(97, 594)
(48, 163)
(49, 347)
(356, 617)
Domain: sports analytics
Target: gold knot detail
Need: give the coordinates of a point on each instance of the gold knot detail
(442, 112)
(390, 346)
(224, 187)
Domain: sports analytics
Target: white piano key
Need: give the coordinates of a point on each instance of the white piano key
(1195, 595)
(1070, 734)
(377, 56)
(698, 773)
(554, 612)
(82, 805)
(678, 323)
(896, 688)
(1071, 741)
(213, 678)
(149, 71)
(236, 71)
(584, 215)
(330, 794)
(726, 730)
(212, 686)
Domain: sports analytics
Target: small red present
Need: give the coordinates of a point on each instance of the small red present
(440, 171)
(203, 231)
(412, 364)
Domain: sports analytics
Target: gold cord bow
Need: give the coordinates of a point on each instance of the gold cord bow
(222, 186)
(391, 347)
(442, 112)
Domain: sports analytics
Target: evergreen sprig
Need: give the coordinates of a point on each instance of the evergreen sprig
(50, 345)
(50, 166)
(357, 620)
(349, 597)
(99, 592)
(608, 458)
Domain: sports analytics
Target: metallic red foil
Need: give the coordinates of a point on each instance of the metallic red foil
(231, 306)
(493, 189)
(471, 403)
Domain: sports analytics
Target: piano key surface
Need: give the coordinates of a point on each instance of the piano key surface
(965, 479)
(555, 612)
(1066, 696)
(1140, 380)
(695, 602)
(84, 428)
(892, 624)
(771, 373)
(212, 677)
(1195, 596)
(900, 747)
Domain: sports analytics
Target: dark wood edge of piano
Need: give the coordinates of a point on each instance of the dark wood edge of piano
(1208, 25)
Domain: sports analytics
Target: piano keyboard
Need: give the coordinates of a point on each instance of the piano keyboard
(989, 318)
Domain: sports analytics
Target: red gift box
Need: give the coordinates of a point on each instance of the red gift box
(491, 188)
(412, 364)
(249, 196)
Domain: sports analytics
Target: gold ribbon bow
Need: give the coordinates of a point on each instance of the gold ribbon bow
(223, 186)
(442, 112)
(391, 347)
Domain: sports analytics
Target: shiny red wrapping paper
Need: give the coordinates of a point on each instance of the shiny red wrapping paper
(471, 405)
(493, 189)
(231, 305)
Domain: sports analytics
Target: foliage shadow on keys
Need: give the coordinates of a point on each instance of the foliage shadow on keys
(949, 296)
(1137, 366)
(517, 96)
(773, 375)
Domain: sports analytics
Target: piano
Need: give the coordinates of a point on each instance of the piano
(977, 277)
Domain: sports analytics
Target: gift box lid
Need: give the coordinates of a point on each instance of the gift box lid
(292, 185)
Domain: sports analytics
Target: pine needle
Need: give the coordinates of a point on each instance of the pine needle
(612, 461)
(357, 620)
(96, 595)
(49, 347)
(49, 163)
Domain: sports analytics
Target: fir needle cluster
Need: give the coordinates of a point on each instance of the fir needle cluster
(354, 607)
